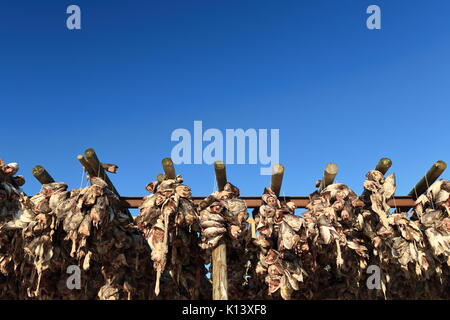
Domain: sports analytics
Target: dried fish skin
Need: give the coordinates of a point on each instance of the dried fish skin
(56, 230)
(11, 208)
(223, 213)
(170, 222)
(279, 240)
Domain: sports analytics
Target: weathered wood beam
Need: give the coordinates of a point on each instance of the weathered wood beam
(95, 163)
(42, 175)
(252, 223)
(277, 178)
(219, 272)
(219, 253)
(221, 174)
(169, 169)
(429, 178)
(329, 174)
(86, 166)
(383, 165)
(93, 167)
(97, 168)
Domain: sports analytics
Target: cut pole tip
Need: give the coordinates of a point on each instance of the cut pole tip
(37, 170)
(331, 168)
(219, 165)
(169, 168)
(429, 178)
(221, 174)
(42, 175)
(277, 178)
(383, 165)
(440, 165)
(329, 174)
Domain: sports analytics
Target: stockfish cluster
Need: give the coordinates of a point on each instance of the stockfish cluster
(84, 231)
(223, 219)
(10, 247)
(343, 246)
(328, 251)
(169, 221)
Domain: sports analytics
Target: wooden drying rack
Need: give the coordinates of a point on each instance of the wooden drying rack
(93, 167)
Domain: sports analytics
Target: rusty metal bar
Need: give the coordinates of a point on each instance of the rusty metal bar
(255, 202)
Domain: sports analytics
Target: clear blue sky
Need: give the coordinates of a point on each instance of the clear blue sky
(140, 69)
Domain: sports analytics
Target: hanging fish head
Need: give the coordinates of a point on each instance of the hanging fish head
(183, 191)
(216, 207)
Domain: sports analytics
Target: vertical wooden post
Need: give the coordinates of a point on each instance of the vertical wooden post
(219, 253)
(430, 177)
(329, 174)
(169, 169)
(42, 175)
(277, 178)
(221, 174)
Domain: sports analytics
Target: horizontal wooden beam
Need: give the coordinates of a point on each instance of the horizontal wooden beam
(255, 202)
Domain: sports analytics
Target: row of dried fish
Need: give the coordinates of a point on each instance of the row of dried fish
(223, 219)
(10, 248)
(325, 252)
(170, 223)
(55, 230)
